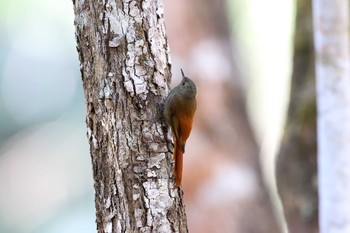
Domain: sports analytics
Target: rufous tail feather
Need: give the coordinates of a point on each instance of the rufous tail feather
(178, 157)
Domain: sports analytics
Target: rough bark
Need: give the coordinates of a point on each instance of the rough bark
(332, 47)
(125, 70)
(296, 168)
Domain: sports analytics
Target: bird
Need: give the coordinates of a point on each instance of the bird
(179, 109)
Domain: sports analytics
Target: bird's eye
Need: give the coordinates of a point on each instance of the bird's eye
(183, 83)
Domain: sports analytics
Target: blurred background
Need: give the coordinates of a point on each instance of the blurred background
(240, 54)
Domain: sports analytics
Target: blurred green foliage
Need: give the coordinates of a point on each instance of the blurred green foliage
(45, 172)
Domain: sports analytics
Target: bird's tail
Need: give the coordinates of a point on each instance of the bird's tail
(178, 157)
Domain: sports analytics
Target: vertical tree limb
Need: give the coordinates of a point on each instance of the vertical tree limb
(125, 70)
(296, 168)
(331, 34)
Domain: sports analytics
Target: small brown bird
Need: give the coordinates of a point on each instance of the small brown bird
(179, 109)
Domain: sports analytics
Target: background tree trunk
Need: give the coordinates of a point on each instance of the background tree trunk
(224, 190)
(125, 71)
(296, 168)
(331, 32)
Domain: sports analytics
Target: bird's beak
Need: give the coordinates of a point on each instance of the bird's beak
(183, 75)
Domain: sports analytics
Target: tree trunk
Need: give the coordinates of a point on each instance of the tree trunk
(125, 71)
(331, 33)
(296, 168)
